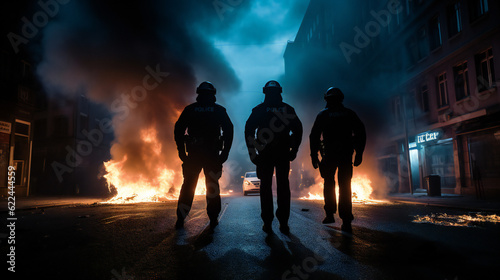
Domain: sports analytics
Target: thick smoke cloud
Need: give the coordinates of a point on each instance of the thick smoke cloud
(102, 48)
(319, 66)
(106, 49)
(263, 22)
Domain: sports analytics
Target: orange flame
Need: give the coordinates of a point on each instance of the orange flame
(140, 189)
(360, 187)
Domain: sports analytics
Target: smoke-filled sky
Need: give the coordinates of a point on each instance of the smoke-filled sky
(144, 59)
(107, 49)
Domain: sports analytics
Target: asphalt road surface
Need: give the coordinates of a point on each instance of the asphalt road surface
(138, 241)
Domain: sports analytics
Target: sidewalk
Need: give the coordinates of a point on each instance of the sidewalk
(33, 202)
(448, 201)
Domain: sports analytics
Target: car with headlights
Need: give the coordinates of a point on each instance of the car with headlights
(251, 183)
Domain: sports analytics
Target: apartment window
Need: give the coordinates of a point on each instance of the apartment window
(398, 18)
(40, 129)
(412, 48)
(423, 42)
(442, 91)
(435, 33)
(454, 19)
(84, 122)
(22, 128)
(461, 73)
(61, 126)
(417, 46)
(23, 94)
(4, 66)
(25, 71)
(477, 9)
(485, 70)
(424, 98)
(396, 109)
(408, 7)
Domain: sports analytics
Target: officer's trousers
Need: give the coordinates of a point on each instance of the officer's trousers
(328, 168)
(265, 172)
(191, 170)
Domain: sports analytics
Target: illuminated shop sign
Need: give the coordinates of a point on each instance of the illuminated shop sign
(428, 137)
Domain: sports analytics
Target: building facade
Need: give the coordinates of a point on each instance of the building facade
(17, 110)
(53, 140)
(72, 139)
(430, 66)
(446, 105)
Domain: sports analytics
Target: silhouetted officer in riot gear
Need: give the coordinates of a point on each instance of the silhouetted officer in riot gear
(204, 135)
(343, 133)
(273, 134)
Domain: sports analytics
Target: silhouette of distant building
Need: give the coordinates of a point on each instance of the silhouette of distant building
(66, 160)
(17, 109)
(39, 132)
(38, 128)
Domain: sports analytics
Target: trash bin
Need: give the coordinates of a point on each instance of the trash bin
(433, 185)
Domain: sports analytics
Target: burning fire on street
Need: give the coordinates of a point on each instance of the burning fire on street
(360, 186)
(164, 187)
(470, 220)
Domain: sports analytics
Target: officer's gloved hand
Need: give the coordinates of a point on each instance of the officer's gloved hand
(292, 155)
(358, 159)
(183, 156)
(315, 161)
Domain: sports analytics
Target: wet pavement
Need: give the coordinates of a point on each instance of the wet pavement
(138, 241)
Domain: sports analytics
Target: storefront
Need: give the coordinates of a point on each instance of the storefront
(432, 153)
(479, 141)
(5, 131)
(15, 150)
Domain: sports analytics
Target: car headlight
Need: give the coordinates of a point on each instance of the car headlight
(246, 182)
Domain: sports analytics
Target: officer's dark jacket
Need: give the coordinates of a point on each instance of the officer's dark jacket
(342, 132)
(273, 128)
(204, 126)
